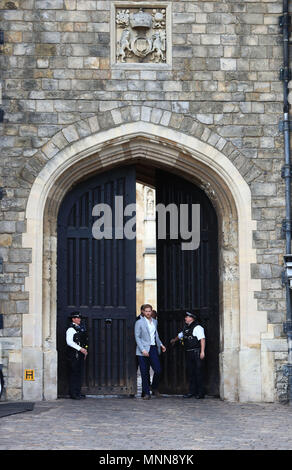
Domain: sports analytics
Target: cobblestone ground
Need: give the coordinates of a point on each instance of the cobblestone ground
(126, 424)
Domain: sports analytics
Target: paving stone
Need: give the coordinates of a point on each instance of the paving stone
(126, 424)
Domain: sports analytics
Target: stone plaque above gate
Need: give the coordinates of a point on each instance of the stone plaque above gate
(140, 35)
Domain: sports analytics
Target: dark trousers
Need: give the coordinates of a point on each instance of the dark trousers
(195, 372)
(145, 363)
(76, 371)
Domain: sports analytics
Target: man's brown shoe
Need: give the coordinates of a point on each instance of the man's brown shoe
(156, 393)
(146, 397)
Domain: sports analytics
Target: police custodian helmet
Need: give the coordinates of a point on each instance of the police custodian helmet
(75, 315)
(189, 314)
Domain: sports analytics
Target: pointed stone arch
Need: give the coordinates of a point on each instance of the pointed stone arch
(176, 143)
(183, 123)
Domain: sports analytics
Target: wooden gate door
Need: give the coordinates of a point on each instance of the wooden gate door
(98, 278)
(187, 281)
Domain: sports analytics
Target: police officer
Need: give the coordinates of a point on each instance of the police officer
(76, 339)
(193, 338)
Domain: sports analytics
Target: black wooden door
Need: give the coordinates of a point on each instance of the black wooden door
(187, 280)
(98, 278)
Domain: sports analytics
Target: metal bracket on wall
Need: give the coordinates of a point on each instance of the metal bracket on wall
(284, 20)
(285, 74)
(282, 125)
(287, 326)
(286, 227)
(286, 171)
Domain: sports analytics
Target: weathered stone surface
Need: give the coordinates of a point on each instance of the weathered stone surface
(222, 87)
(5, 240)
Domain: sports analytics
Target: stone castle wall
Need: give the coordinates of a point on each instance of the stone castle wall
(219, 81)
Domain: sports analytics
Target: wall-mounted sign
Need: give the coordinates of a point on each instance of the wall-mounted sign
(28, 374)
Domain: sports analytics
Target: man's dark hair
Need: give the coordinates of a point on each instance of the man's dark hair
(144, 306)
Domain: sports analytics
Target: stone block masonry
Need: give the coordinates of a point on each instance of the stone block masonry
(222, 87)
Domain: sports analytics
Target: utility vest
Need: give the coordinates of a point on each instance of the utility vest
(190, 342)
(80, 338)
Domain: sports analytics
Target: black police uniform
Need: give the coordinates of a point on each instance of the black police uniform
(193, 362)
(76, 360)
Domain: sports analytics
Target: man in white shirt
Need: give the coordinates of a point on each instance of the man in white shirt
(193, 338)
(76, 339)
(148, 349)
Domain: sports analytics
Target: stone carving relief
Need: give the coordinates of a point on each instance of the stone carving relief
(229, 251)
(141, 35)
(150, 209)
(206, 186)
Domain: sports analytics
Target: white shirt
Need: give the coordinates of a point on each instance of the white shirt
(69, 339)
(152, 330)
(198, 331)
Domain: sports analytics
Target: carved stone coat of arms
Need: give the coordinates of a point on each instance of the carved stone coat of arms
(141, 35)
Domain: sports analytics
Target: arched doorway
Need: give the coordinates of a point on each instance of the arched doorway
(98, 278)
(243, 366)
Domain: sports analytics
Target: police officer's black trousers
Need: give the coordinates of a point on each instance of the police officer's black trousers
(76, 370)
(195, 372)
